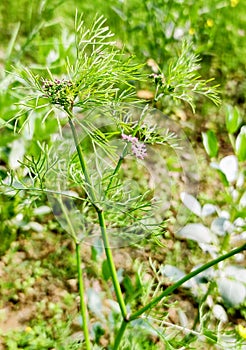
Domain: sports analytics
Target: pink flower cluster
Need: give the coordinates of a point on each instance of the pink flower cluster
(138, 148)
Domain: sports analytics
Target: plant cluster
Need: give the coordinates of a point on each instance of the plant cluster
(96, 159)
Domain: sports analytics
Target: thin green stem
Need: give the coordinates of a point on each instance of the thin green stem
(186, 278)
(83, 310)
(120, 334)
(111, 265)
(70, 225)
(101, 219)
(116, 170)
(82, 161)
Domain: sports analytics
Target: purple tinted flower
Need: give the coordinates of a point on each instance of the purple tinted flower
(129, 138)
(138, 148)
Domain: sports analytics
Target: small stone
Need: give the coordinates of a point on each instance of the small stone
(73, 286)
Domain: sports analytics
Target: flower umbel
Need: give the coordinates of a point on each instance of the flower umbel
(59, 92)
(138, 148)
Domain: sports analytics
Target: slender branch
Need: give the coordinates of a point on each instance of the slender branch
(175, 326)
(120, 334)
(116, 170)
(36, 189)
(82, 300)
(186, 278)
(70, 225)
(81, 159)
(101, 219)
(111, 264)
